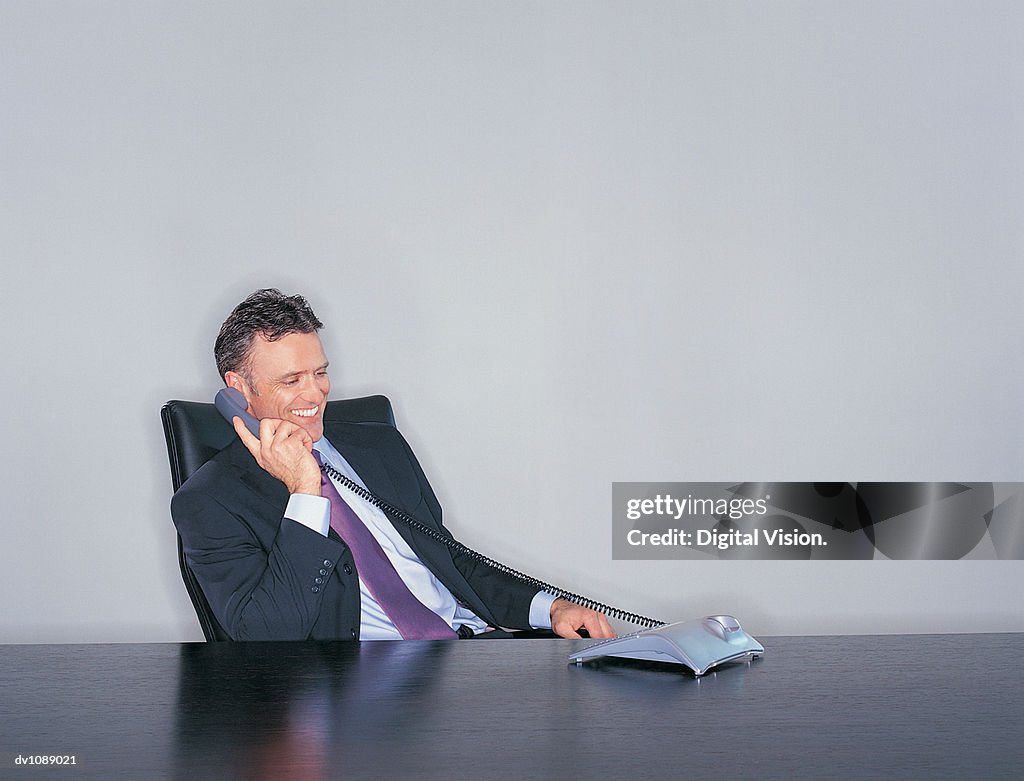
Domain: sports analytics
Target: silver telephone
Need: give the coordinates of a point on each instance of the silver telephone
(700, 644)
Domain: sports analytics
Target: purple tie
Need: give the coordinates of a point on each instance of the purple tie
(413, 619)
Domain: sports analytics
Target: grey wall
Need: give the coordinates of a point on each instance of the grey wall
(576, 243)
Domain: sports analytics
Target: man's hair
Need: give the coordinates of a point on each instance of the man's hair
(268, 313)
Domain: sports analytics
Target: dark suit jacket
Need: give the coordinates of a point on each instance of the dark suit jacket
(269, 578)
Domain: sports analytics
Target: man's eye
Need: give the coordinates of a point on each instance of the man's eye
(290, 382)
(322, 373)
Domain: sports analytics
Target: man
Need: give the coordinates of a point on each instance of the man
(284, 552)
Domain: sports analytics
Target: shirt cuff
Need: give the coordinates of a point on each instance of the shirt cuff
(314, 512)
(540, 610)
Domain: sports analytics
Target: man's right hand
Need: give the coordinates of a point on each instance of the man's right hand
(285, 451)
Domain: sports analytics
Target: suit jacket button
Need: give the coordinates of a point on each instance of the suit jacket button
(318, 581)
(323, 572)
(348, 569)
(327, 562)
(315, 589)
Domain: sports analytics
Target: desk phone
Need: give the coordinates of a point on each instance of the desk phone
(700, 644)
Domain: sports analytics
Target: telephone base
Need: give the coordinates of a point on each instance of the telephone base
(700, 645)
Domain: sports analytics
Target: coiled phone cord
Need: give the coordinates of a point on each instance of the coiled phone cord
(458, 547)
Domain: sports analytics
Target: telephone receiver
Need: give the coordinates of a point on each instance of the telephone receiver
(232, 404)
(682, 648)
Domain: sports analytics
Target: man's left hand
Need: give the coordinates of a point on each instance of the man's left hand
(567, 617)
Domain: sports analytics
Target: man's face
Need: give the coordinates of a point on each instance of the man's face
(290, 376)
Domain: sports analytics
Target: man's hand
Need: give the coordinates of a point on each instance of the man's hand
(285, 451)
(567, 617)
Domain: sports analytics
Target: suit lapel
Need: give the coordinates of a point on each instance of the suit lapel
(370, 467)
(378, 478)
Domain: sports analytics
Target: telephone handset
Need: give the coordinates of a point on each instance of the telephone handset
(231, 404)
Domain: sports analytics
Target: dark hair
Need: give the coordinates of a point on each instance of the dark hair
(268, 313)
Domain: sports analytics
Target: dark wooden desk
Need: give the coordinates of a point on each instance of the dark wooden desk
(829, 707)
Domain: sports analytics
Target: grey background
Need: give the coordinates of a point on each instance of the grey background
(576, 243)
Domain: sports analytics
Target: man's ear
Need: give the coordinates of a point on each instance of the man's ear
(237, 381)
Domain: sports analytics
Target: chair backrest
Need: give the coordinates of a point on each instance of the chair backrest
(195, 432)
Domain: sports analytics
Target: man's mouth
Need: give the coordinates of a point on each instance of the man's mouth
(306, 413)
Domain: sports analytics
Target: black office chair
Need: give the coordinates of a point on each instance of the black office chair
(195, 432)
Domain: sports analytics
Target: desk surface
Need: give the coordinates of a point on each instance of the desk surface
(925, 706)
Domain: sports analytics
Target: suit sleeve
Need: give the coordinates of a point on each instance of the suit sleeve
(264, 581)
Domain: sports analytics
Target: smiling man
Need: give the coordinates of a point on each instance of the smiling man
(284, 552)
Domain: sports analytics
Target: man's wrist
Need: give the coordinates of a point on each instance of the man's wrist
(307, 484)
(305, 488)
